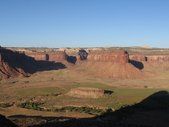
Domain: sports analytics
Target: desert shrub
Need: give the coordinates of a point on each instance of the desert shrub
(145, 86)
(26, 82)
(13, 82)
(30, 105)
(88, 110)
(108, 92)
(5, 105)
(37, 106)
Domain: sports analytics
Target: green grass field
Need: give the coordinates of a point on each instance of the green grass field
(49, 90)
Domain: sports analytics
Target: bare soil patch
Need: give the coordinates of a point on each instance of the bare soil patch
(83, 92)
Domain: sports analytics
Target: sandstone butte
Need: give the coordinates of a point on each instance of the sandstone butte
(119, 56)
(110, 64)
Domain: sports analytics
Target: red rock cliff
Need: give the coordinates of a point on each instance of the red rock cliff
(57, 56)
(14, 64)
(49, 56)
(110, 64)
(37, 55)
(120, 56)
(158, 58)
(138, 57)
(150, 58)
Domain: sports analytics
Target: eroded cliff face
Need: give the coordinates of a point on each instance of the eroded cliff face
(152, 59)
(37, 55)
(102, 63)
(57, 56)
(49, 56)
(138, 57)
(13, 64)
(120, 56)
(158, 58)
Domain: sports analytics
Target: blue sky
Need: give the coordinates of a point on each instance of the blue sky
(84, 23)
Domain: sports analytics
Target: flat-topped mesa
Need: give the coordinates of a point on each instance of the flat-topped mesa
(119, 56)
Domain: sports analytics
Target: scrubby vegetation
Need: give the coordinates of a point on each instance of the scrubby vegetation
(88, 110)
(5, 105)
(37, 106)
(30, 105)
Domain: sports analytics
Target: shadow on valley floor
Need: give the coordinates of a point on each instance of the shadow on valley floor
(151, 112)
(137, 64)
(48, 65)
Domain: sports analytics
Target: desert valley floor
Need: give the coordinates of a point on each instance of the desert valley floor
(102, 89)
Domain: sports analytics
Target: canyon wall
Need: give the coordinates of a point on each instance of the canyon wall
(57, 56)
(138, 57)
(13, 64)
(150, 58)
(157, 58)
(119, 56)
(109, 64)
(51, 56)
(37, 55)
